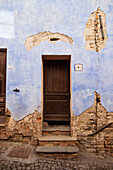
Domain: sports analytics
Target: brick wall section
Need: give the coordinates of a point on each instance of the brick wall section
(91, 120)
(109, 117)
(95, 32)
(95, 120)
(108, 140)
(104, 141)
(26, 130)
(93, 128)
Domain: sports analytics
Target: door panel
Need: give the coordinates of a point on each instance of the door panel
(56, 90)
(2, 81)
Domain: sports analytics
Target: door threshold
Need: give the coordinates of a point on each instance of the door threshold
(52, 128)
(57, 138)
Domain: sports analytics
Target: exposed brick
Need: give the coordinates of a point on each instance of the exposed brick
(95, 34)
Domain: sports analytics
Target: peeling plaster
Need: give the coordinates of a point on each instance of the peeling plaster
(95, 32)
(27, 129)
(35, 40)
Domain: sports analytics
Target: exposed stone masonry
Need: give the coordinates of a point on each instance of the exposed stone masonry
(93, 128)
(34, 40)
(26, 130)
(95, 32)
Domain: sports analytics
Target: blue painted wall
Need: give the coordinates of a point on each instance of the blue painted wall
(20, 19)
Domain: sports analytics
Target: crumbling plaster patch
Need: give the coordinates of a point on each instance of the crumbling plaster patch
(35, 40)
(26, 130)
(90, 122)
(95, 32)
(91, 119)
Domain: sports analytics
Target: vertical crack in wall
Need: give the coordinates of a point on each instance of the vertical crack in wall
(95, 32)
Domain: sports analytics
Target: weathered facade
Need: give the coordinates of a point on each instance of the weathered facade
(55, 60)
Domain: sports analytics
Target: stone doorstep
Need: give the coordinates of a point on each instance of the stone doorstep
(56, 128)
(57, 149)
(59, 138)
(2, 125)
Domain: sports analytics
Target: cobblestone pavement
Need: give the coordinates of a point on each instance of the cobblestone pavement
(84, 160)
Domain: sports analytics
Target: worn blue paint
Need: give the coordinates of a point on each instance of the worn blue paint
(21, 19)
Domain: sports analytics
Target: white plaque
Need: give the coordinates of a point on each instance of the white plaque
(10, 66)
(78, 67)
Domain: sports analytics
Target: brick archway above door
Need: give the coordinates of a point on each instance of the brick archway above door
(34, 40)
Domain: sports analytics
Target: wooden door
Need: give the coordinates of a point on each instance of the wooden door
(2, 81)
(56, 90)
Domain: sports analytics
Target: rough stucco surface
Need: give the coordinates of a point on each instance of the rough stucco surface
(21, 19)
(34, 40)
(95, 39)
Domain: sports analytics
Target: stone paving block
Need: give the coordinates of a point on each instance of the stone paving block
(56, 149)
